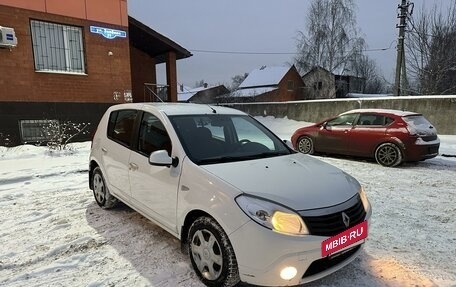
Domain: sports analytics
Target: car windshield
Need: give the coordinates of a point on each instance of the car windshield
(209, 139)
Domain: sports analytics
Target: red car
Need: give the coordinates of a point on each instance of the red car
(389, 136)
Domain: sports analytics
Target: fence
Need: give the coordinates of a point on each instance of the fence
(439, 110)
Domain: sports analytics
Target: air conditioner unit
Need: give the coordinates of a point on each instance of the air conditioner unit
(7, 37)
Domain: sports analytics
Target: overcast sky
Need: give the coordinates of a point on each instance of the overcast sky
(256, 26)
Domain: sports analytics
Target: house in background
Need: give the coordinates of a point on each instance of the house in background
(322, 84)
(269, 84)
(348, 83)
(201, 95)
(72, 60)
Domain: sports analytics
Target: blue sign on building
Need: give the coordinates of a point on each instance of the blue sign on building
(108, 33)
(9, 37)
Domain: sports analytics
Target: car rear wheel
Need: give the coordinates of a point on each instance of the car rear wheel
(388, 154)
(211, 253)
(100, 191)
(305, 145)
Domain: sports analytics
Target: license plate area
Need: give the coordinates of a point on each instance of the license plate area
(344, 239)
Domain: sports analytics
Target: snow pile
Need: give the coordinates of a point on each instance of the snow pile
(52, 233)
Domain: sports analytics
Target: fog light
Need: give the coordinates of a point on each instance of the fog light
(288, 273)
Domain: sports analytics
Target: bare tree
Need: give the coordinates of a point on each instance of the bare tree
(59, 134)
(366, 68)
(331, 40)
(237, 80)
(199, 83)
(431, 50)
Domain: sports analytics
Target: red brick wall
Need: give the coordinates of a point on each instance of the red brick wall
(296, 92)
(142, 71)
(107, 11)
(283, 94)
(105, 74)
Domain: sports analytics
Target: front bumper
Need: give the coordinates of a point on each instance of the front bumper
(262, 254)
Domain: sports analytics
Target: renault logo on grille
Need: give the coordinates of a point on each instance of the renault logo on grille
(345, 219)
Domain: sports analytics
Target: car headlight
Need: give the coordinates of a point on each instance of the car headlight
(364, 200)
(272, 215)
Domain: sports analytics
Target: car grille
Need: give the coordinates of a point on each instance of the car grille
(429, 138)
(323, 264)
(433, 149)
(332, 224)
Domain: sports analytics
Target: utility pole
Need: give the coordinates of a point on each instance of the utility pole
(400, 63)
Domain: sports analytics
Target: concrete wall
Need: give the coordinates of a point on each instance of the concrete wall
(439, 110)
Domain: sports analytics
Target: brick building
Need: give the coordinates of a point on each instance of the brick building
(269, 84)
(322, 84)
(72, 60)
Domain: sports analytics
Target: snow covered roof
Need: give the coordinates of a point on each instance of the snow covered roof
(187, 93)
(252, 92)
(383, 111)
(173, 109)
(264, 76)
(343, 71)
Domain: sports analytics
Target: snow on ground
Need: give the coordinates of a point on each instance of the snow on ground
(52, 233)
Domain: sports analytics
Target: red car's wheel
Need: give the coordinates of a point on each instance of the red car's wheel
(305, 145)
(388, 154)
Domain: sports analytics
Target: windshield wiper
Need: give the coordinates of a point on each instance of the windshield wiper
(224, 159)
(273, 153)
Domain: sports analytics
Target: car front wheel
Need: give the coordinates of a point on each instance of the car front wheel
(388, 154)
(211, 253)
(100, 191)
(305, 145)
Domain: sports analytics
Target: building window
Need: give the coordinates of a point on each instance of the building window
(290, 85)
(318, 86)
(57, 48)
(34, 130)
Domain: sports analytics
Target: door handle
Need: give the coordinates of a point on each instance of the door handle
(133, 166)
(104, 150)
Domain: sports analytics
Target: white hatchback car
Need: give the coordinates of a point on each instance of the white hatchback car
(243, 203)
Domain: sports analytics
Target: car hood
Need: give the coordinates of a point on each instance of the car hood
(298, 181)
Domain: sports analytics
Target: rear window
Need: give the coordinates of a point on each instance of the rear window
(418, 124)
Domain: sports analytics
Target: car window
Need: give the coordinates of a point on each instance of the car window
(343, 120)
(152, 135)
(418, 123)
(222, 138)
(120, 127)
(366, 119)
(374, 120)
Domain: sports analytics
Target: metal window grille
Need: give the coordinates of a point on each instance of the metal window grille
(57, 47)
(33, 130)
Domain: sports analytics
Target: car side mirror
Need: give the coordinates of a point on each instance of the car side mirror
(323, 125)
(161, 158)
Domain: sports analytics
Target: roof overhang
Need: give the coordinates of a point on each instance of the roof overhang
(153, 43)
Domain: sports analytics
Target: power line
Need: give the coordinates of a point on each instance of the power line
(274, 53)
(242, 53)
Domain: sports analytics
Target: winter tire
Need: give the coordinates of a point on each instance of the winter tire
(388, 154)
(100, 191)
(211, 253)
(305, 145)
